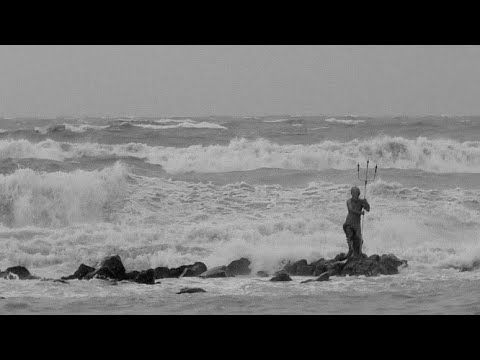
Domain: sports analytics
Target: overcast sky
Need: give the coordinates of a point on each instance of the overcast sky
(238, 80)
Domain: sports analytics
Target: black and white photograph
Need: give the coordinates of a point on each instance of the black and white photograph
(239, 179)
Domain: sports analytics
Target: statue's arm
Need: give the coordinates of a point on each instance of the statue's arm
(351, 209)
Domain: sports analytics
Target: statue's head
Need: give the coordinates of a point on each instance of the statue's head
(355, 191)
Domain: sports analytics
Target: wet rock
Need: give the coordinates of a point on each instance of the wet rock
(177, 272)
(320, 266)
(374, 257)
(161, 272)
(61, 281)
(282, 276)
(304, 270)
(194, 270)
(291, 268)
(81, 272)
(392, 263)
(239, 267)
(373, 265)
(19, 272)
(110, 268)
(190, 290)
(216, 272)
(262, 273)
(146, 277)
(323, 277)
(340, 257)
(132, 275)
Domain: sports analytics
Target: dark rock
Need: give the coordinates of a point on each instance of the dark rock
(282, 276)
(216, 272)
(194, 270)
(336, 268)
(392, 263)
(262, 273)
(291, 269)
(374, 257)
(304, 270)
(307, 281)
(239, 267)
(61, 281)
(320, 266)
(131, 275)
(323, 277)
(177, 272)
(20, 271)
(82, 271)
(146, 277)
(190, 290)
(110, 268)
(162, 272)
(475, 265)
(373, 265)
(340, 257)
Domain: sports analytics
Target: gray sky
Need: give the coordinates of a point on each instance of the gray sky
(179, 80)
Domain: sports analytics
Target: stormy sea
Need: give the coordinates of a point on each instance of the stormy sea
(164, 192)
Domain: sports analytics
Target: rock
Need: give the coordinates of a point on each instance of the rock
(146, 277)
(335, 268)
(216, 272)
(190, 290)
(320, 266)
(61, 281)
(323, 277)
(262, 273)
(340, 257)
(374, 257)
(82, 271)
(20, 272)
(392, 263)
(110, 268)
(161, 272)
(304, 270)
(177, 272)
(132, 275)
(194, 270)
(373, 266)
(239, 267)
(291, 269)
(307, 281)
(282, 276)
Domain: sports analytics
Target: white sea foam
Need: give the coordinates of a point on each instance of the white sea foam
(84, 127)
(276, 120)
(342, 121)
(183, 124)
(28, 197)
(439, 155)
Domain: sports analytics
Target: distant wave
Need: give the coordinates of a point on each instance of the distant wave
(84, 127)
(276, 121)
(439, 155)
(341, 121)
(182, 124)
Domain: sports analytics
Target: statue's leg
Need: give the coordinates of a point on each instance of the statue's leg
(350, 233)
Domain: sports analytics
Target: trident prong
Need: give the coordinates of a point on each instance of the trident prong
(366, 179)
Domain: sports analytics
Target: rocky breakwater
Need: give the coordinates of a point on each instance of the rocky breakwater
(374, 265)
(111, 268)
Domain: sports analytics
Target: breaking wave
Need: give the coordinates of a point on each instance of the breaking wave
(439, 155)
(59, 199)
(342, 121)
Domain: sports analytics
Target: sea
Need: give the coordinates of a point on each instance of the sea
(170, 191)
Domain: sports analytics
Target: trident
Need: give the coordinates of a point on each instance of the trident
(366, 180)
